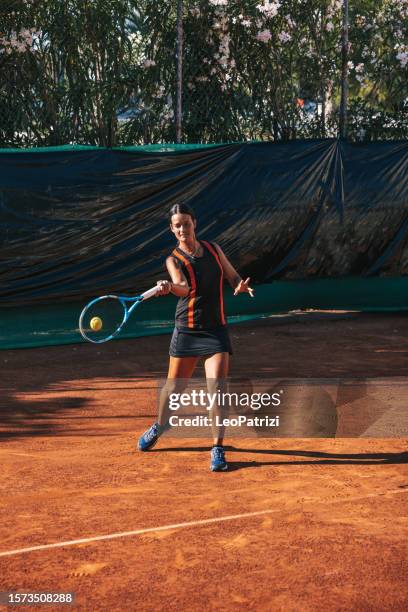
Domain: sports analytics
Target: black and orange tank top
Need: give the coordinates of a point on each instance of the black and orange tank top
(203, 307)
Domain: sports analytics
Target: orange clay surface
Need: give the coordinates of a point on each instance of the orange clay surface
(326, 525)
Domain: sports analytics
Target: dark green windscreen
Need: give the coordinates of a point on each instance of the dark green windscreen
(57, 323)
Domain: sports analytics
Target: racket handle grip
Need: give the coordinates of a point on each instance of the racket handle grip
(150, 293)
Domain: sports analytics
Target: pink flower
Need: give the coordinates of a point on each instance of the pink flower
(269, 9)
(264, 36)
(402, 57)
(284, 37)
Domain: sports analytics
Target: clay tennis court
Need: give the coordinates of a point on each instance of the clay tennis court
(295, 524)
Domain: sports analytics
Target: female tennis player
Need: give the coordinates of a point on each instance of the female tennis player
(197, 269)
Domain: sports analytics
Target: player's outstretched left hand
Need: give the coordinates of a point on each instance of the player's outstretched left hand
(243, 287)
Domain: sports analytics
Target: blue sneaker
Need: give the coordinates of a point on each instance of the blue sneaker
(150, 437)
(218, 463)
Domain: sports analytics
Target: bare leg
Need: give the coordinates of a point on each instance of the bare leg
(216, 372)
(180, 368)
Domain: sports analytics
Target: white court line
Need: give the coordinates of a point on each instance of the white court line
(23, 454)
(218, 519)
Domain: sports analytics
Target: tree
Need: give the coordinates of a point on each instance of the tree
(103, 72)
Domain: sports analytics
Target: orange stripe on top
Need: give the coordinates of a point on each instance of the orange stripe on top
(214, 252)
(193, 283)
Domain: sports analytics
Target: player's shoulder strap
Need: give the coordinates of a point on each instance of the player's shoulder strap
(180, 257)
(212, 248)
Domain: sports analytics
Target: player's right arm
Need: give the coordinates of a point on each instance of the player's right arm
(179, 285)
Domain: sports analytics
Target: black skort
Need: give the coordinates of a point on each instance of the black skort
(197, 342)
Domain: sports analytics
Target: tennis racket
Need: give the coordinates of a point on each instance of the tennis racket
(103, 318)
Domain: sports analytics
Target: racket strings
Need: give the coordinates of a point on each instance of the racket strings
(103, 319)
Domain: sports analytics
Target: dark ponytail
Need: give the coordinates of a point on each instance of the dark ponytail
(181, 209)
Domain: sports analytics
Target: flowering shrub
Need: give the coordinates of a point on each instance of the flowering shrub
(104, 71)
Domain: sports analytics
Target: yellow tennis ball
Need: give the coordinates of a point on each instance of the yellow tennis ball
(96, 323)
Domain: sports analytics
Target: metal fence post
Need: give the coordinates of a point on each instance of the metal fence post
(344, 71)
(179, 85)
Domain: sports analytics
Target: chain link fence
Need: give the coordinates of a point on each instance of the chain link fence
(104, 72)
